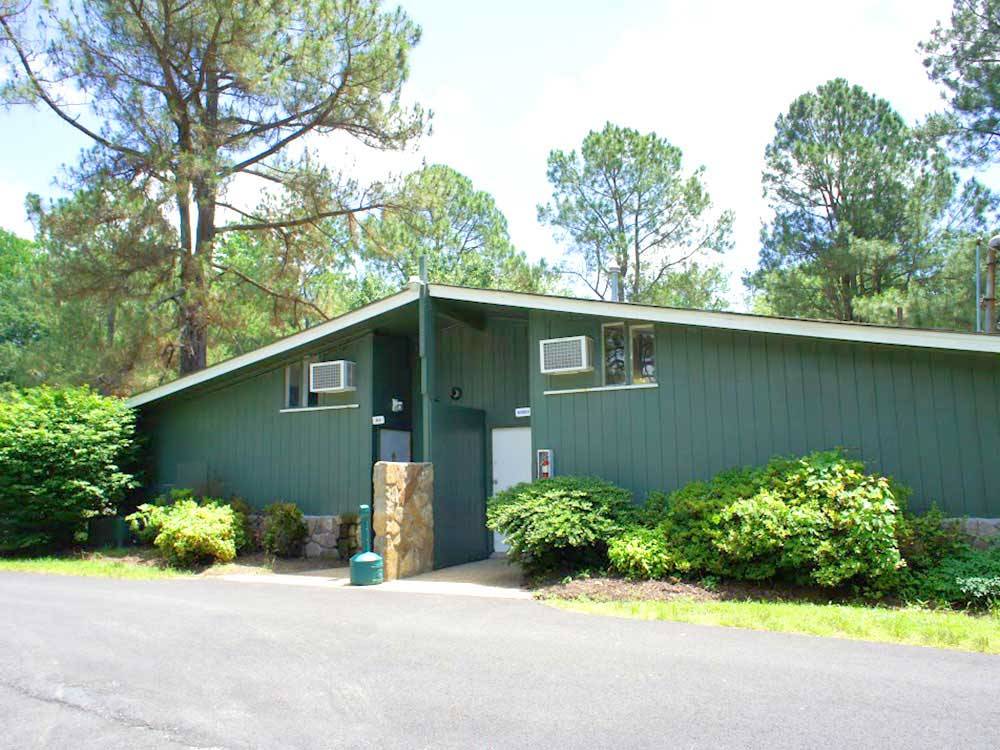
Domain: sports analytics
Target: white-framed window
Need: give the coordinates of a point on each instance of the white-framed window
(613, 360)
(643, 343)
(628, 353)
(297, 393)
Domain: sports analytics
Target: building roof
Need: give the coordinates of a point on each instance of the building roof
(817, 329)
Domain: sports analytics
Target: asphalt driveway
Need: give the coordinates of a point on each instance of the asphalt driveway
(96, 663)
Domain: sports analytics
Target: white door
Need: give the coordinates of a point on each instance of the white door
(511, 464)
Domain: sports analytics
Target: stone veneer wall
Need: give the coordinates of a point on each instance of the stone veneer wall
(331, 537)
(403, 517)
(984, 531)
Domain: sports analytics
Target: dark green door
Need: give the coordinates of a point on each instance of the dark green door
(460, 534)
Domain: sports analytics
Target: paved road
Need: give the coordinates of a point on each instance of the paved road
(96, 663)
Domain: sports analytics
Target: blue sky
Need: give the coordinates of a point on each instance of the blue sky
(509, 81)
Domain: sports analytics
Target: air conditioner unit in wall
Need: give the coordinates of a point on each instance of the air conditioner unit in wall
(567, 355)
(331, 377)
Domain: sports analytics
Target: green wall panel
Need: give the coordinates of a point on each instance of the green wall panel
(490, 366)
(728, 398)
(236, 438)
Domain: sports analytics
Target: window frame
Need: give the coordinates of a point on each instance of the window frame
(604, 351)
(633, 379)
(628, 349)
(305, 395)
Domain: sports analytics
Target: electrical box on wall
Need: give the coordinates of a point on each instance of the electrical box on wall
(544, 468)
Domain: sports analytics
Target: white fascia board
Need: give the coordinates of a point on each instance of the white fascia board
(410, 294)
(817, 329)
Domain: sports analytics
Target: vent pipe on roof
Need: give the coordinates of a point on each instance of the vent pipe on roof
(616, 283)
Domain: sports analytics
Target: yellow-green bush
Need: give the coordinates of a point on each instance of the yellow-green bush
(190, 533)
(817, 519)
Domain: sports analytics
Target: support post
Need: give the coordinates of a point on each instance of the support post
(428, 349)
(979, 290)
(990, 300)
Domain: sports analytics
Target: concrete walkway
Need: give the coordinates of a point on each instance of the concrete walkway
(492, 578)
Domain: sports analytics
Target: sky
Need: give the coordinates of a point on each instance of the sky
(508, 82)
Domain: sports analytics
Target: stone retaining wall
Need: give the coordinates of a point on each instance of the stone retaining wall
(984, 531)
(330, 537)
(403, 517)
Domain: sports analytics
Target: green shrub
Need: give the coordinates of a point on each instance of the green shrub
(148, 518)
(817, 519)
(824, 519)
(244, 537)
(966, 579)
(640, 552)
(558, 523)
(147, 521)
(926, 540)
(284, 529)
(192, 533)
(63, 455)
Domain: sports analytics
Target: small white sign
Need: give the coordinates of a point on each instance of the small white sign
(378, 420)
(522, 411)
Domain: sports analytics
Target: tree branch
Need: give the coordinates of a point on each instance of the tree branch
(50, 102)
(273, 293)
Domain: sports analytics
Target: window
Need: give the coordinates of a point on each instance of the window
(643, 354)
(613, 336)
(297, 393)
(628, 359)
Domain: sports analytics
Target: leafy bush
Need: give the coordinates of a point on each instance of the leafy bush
(147, 521)
(561, 522)
(926, 540)
(640, 552)
(817, 519)
(190, 533)
(968, 578)
(244, 537)
(284, 529)
(63, 455)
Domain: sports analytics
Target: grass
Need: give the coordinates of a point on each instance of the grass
(106, 564)
(911, 626)
(142, 563)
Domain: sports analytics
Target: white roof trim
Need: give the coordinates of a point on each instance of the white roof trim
(410, 294)
(818, 329)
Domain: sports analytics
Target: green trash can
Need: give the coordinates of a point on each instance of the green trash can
(366, 566)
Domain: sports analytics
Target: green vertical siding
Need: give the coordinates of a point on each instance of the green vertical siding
(490, 366)
(237, 439)
(728, 398)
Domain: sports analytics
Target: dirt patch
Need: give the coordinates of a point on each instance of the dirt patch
(612, 589)
(262, 564)
(143, 556)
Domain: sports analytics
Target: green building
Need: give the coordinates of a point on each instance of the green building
(493, 387)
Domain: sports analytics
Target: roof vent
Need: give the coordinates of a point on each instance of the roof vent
(567, 355)
(331, 377)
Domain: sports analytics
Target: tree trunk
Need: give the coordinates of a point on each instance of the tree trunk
(192, 339)
(193, 334)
